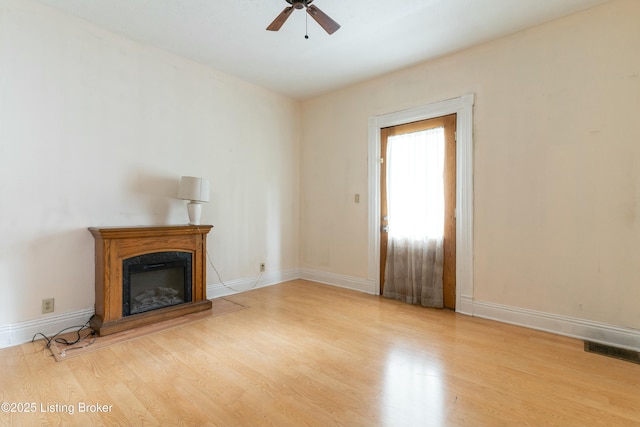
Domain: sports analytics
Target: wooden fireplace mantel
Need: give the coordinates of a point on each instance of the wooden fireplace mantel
(115, 244)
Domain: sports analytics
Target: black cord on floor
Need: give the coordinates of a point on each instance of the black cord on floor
(57, 339)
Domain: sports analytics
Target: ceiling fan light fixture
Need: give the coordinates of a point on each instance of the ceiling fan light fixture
(328, 24)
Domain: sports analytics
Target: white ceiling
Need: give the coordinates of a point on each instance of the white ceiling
(377, 36)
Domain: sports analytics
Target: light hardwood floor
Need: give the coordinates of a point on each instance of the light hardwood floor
(315, 355)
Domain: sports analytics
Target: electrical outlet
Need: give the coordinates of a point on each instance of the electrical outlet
(47, 305)
(262, 267)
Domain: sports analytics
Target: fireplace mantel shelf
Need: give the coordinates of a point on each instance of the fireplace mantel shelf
(115, 244)
(149, 231)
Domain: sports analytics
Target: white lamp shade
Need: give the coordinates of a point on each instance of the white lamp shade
(195, 189)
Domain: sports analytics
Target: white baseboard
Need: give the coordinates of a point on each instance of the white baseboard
(465, 305)
(23, 332)
(231, 287)
(582, 329)
(348, 282)
(20, 333)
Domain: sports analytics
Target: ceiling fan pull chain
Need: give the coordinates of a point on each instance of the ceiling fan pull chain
(306, 26)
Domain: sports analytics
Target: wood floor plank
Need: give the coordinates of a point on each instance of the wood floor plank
(306, 354)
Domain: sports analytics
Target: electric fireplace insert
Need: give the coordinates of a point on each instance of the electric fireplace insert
(154, 281)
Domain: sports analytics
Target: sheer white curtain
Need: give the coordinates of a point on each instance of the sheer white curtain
(415, 197)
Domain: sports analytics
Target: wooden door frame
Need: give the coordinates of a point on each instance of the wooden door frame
(463, 107)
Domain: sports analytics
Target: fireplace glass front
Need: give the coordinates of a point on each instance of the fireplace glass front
(154, 281)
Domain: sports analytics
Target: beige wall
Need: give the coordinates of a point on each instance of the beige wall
(557, 155)
(96, 130)
(556, 164)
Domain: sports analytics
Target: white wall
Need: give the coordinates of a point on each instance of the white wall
(556, 165)
(96, 130)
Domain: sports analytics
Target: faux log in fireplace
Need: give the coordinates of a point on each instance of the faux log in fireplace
(148, 274)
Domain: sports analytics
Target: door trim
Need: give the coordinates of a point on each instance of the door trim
(463, 107)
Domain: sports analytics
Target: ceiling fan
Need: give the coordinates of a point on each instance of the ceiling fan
(329, 25)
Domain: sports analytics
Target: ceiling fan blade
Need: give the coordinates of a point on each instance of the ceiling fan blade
(280, 19)
(329, 25)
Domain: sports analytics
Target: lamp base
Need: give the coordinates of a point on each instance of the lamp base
(195, 210)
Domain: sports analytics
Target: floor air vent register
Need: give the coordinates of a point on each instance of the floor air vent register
(611, 351)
